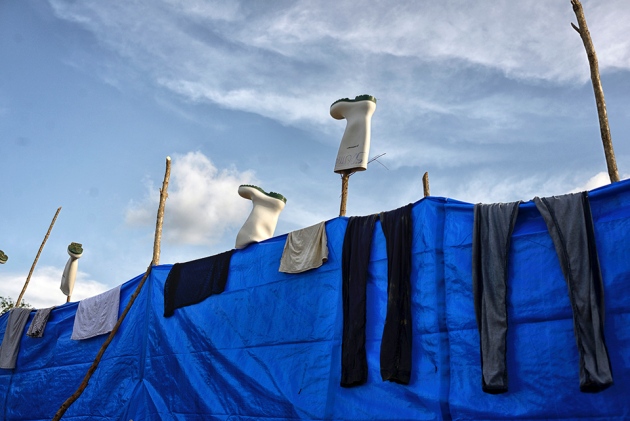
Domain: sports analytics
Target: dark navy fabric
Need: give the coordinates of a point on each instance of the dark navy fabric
(192, 282)
(492, 232)
(397, 334)
(570, 224)
(357, 243)
(269, 346)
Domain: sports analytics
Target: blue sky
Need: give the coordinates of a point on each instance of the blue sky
(492, 98)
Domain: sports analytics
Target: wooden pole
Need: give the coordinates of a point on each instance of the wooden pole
(344, 193)
(425, 184)
(64, 407)
(28, 278)
(156, 253)
(604, 128)
(160, 215)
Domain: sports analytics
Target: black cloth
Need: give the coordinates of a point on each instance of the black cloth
(492, 231)
(354, 272)
(570, 226)
(192, 282)
(396, 342)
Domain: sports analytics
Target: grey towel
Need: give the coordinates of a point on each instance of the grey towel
(36, 329)
(305, 249)
(96, 315)
(12, 337)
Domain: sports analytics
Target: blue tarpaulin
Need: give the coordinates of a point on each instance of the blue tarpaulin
(269, 347)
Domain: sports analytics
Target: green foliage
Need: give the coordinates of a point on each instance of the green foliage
(6, 304)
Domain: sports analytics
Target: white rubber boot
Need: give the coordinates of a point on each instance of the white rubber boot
(355, 144)
(262, 221)
(75, 250)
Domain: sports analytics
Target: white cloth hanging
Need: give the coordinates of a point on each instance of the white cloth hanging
(305, 249)
(96, 315)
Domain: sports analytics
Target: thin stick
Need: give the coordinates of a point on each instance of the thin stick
(344, 192)
(156, 247)
(160, 214)
(425, 184)
(28, 278)
(604, 129)
(64, 407)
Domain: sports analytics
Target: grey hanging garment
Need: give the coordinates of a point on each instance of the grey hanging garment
(492, 231)
(36, 329)
(12, 337)
(570, 226)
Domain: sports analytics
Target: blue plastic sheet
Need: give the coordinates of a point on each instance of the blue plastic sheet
(269, 347)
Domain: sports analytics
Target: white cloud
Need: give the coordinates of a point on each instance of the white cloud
(287, 61)
(524, 39)
(288, 104)
(484, 187)
(202, 203)
(43, 288)
(598, 180)
(223, 10)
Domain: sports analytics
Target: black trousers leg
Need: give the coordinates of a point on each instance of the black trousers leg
(354, 271)
(570, 225)
(396, 342)
(492, 231)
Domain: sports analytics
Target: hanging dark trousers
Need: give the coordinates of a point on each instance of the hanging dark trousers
(354, 272)
(492, 231)
(397, 333)
(396, 340)
(570, 225)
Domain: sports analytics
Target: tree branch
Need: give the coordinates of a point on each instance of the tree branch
(604, 128)
(28, 278)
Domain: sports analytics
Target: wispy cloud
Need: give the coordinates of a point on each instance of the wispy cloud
(202, 204)
(250, 100)
(284, 61)
(484, 187)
